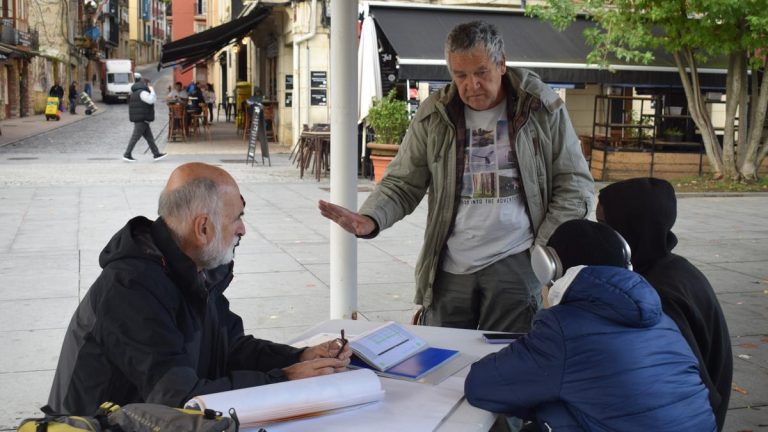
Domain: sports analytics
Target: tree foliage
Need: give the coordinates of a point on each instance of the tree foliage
(693, 32)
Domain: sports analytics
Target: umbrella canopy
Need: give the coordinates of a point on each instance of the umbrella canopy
(368, 70)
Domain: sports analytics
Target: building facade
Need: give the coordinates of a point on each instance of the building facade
(18, 41)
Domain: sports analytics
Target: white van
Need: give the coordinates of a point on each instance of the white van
(117, 77)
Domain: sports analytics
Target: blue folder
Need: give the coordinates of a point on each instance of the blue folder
(413, 368)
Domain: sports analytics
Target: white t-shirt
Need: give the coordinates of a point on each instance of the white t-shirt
(491, 223)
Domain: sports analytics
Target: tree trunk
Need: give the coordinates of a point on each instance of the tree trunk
(733, 86)
(699, 114)
(745, 117)
(758, 146)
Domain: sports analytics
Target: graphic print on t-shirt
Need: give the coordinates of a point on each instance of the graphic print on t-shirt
(490, 168)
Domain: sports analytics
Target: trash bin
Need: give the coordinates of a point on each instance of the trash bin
(242, 92)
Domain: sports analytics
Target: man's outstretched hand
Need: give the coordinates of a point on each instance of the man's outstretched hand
(357, 224)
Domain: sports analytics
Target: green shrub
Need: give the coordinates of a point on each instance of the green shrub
(389, 119)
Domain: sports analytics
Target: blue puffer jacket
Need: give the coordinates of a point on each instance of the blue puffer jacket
(605, 359)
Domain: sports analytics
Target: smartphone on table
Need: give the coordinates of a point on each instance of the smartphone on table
(501, 338)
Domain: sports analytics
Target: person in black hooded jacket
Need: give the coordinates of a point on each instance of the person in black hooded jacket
(643, 211)
(156, 327)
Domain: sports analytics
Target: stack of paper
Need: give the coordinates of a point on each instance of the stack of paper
(294, 399)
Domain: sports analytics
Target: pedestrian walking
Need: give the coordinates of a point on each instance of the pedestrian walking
(141, 111)
(73, 97)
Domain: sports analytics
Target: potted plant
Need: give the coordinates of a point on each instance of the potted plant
(673, 134)
(389, 119)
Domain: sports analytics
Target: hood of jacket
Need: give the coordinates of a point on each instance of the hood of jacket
(144, 239)
(643, 211)
(616, 294)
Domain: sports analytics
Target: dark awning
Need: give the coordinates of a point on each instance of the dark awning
(418, 36)
(199, 46)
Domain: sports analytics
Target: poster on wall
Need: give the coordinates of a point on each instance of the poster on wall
(289, 82)
(319, 79)
(288, 100)
(318, 97)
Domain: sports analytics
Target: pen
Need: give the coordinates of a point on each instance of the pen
(343, 343)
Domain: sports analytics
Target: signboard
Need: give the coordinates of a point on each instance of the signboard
(258, 133)
(318, 97)
(145, 10)
(289, 82)
(318, 79)
(288, 100)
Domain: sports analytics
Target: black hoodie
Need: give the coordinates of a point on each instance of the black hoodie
(154, 329)
(643, 210)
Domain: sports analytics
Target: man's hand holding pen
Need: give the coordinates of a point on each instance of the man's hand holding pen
(323, 359)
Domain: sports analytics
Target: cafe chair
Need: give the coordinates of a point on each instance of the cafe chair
(196, 120)
(206, 125)
(176, 122)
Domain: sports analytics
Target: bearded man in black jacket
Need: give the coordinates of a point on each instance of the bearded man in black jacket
(643, 211)
(156, 326)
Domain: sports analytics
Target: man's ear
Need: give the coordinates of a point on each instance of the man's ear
(201, 229)
(503, 64)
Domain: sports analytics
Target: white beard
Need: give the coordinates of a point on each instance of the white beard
(217, 253)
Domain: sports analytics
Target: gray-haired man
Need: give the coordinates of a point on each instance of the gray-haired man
(503, 167)
(156, 326)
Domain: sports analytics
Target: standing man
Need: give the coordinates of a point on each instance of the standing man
(57, 91)
(156, 326)
(72, 97)
(503, 167)
(141, 111)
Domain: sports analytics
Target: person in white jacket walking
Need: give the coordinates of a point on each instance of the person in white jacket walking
(141, 111)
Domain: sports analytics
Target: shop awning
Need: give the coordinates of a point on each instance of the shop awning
(418, 36)
(191, 49)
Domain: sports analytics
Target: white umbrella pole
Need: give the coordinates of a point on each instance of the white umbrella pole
(343, 156)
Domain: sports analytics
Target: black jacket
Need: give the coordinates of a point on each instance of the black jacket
(153, 329)
(56, 91)
(138, 110)
(644, 210)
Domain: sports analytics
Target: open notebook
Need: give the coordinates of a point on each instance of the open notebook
(392, 351)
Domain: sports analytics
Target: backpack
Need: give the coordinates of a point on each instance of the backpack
(136, 417)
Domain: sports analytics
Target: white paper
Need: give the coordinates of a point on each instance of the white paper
(309, 396)
(407, 406)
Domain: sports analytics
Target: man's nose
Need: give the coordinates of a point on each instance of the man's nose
(241, 229)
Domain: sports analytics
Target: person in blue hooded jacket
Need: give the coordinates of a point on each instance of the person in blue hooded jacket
(603, 356)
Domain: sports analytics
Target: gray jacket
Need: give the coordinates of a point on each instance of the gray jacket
(555, 177)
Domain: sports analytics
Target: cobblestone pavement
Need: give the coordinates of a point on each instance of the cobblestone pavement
(63, 194)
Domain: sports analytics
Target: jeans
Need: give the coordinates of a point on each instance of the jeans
(141, 129)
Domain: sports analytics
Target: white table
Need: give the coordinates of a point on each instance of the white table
(464, 417)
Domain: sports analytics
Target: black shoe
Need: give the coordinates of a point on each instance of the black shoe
(128, 158)
(160, 156)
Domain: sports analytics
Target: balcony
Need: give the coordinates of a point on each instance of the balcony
(28, 40)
